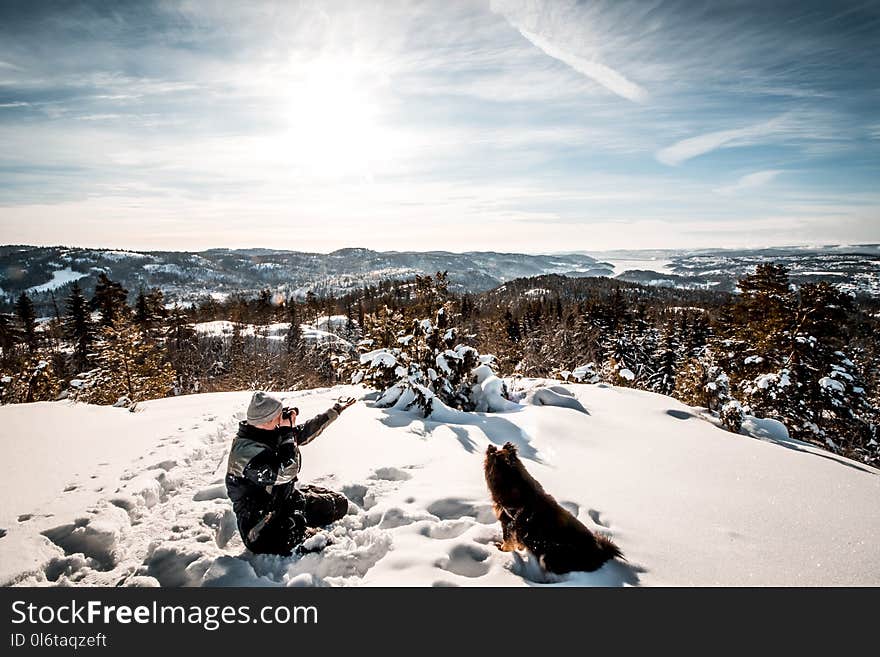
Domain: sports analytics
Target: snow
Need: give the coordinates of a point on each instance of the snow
(489, 391)
(765, 428)
(764, 381)
(59, 277)
(124, 255)
(379, 358)
(832, 384)
(331, 322)
(585, 373)
(168, 268)
(277, 331)
(100, 496)
(627, 374)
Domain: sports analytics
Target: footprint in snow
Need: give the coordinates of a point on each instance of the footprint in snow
(390, 474)
(596, 517)
(468, 560)
(446, 529)
(451, 508)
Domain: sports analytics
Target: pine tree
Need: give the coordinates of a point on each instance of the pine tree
(263, 310)
(312, 306)
(110, 300)
(181, 350)
(128, 367)
(54, 329)
(293, 339)
(764, 306)
(24, 309)
(666, 362)
(79, 328)
(149, 311)
(8, 339)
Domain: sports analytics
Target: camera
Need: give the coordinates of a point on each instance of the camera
(288, 411)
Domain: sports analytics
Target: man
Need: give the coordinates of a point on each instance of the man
(274, 516)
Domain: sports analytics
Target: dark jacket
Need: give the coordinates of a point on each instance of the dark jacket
(263, 466)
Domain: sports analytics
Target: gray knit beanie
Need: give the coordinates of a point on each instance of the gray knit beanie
(263, 408)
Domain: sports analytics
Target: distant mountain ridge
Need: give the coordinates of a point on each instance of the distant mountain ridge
(185, 276)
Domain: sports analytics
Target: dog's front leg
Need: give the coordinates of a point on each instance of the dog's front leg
(508, 544)
(508, 532)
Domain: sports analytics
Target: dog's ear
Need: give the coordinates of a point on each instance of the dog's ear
(510, 446)
(491, 449)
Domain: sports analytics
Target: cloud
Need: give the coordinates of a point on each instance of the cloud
(692, 147)
(604, 75)
(180, 122)
(750, 181)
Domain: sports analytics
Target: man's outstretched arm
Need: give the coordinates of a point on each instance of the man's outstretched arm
(308, 431)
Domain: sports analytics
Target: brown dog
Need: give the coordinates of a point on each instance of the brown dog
(531, 519)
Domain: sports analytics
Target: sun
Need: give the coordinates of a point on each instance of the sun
(332, 117)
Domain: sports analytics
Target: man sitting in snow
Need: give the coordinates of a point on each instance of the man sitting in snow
(274, 516)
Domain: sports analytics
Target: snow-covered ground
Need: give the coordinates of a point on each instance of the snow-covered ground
(101, 496)
(59, 277)
(278, 331)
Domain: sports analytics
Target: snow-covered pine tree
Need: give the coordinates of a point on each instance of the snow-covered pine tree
(624, 359)
(666, 362)
(703, 382)
(422, 361)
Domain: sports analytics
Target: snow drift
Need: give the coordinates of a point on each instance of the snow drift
(101, 496)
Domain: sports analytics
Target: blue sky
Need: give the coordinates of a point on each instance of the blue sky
(496, 125)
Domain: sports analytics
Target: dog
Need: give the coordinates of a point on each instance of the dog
(531, 519)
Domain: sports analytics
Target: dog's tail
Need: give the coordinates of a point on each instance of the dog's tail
(607, 548)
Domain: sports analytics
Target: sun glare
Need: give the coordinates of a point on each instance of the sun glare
(333, 122)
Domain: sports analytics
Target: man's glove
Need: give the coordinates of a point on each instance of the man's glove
(342, 403)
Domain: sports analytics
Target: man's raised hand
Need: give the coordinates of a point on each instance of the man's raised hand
(344, 402)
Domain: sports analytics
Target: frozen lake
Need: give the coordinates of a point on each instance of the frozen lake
(621, 265)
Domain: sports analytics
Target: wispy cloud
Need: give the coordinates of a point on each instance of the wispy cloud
(692, 147)
(447, 119)
(604, 75)
(750, 181)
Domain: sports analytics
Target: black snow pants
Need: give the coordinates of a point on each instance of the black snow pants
(309, 506)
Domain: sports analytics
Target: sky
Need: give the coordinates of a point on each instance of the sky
(501, 125)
